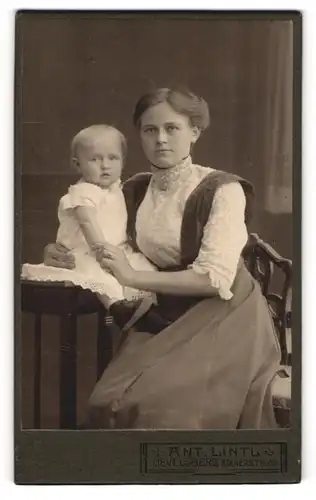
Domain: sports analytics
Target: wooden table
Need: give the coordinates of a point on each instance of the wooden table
(68, 302)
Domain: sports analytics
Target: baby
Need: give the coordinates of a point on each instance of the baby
(94, 212)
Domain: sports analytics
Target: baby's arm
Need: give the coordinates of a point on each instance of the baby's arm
(92, 232)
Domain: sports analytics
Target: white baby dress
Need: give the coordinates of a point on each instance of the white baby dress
(111, 216)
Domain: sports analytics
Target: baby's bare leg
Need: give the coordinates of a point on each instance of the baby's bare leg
(107, 301)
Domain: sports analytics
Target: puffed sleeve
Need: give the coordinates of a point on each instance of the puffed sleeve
(224, 237)
(82, 194)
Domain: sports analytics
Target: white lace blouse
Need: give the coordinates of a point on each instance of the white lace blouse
(159, 217)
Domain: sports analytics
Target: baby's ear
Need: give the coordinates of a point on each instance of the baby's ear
(75, 165)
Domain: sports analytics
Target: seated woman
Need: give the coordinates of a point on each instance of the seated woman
(212, 365)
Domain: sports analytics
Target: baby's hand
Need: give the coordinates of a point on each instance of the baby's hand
(104, 264)
(98, 249)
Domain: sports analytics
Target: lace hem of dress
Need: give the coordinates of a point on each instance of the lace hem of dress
(40, 272)
(217, 280)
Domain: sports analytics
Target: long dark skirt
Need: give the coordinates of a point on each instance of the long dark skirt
(210, 369)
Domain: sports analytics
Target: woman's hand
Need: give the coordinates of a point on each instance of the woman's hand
(56, 255)
(186, 282)
(113, 259)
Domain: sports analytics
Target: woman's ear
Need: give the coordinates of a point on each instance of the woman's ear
(75, 165)
(196, 132)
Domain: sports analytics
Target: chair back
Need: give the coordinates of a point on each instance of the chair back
(262, 260)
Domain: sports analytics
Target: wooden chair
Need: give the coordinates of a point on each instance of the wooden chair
(262, 261)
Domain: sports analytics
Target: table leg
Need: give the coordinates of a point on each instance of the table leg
(68, 371)
(37, 370)
(104, 343)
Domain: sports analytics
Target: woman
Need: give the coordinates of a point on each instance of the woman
(212, 366)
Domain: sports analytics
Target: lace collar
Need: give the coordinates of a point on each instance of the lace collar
(165, 179)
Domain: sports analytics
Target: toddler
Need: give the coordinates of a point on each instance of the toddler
(94, 212)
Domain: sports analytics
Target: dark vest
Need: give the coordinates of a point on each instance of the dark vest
(196, 212)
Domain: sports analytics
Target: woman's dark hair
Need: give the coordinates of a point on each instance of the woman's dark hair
(181, 100)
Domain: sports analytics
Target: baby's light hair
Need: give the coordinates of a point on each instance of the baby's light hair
(83, 136)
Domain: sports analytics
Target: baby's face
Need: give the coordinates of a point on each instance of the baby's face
(100, 158)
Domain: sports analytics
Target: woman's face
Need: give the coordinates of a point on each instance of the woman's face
(166, 136)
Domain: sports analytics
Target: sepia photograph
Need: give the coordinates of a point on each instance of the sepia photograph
(155, 155)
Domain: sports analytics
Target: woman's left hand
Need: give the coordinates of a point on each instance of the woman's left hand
(113, 259)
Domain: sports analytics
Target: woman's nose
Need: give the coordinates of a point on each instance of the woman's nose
(161, 136)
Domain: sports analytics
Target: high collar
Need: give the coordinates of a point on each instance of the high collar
(165, 178)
